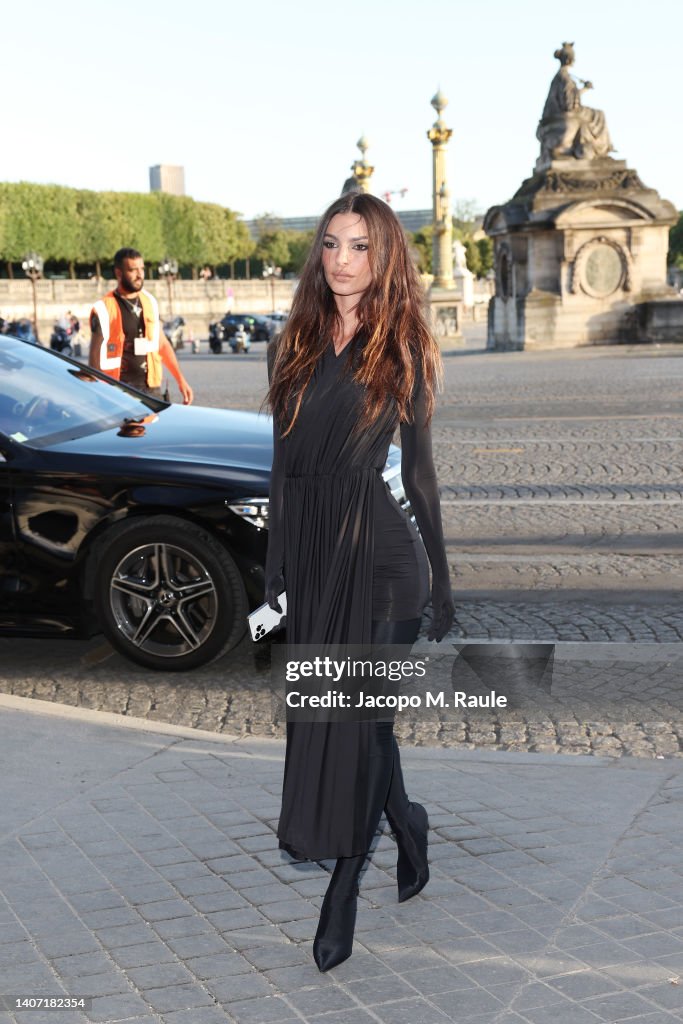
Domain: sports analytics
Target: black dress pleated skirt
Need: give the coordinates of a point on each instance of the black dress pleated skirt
(351, 556)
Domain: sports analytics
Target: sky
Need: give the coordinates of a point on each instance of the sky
(263, 102)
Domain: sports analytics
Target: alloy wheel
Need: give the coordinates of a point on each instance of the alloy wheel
(163, 600)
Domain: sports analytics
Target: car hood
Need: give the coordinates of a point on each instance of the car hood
(192, 435)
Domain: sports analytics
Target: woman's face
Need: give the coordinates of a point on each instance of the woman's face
(345, 255)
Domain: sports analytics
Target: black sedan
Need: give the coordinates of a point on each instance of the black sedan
(125, 515)
(259, 327)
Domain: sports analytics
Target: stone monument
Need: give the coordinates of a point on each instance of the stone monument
(361, 171)
(583, 243)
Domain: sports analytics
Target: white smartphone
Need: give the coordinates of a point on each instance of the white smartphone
(264, 619)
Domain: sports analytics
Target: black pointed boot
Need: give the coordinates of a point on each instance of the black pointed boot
(333, 941)
(410, 824)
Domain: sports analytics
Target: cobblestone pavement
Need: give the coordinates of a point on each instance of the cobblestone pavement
(140, 871)
(561, 476)
(617, 698)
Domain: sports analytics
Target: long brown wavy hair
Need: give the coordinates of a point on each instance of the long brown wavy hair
(399, 348)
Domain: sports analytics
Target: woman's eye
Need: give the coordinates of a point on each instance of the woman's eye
(329, 245)
(361, 247)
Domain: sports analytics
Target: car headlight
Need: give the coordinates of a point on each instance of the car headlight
(254, 510)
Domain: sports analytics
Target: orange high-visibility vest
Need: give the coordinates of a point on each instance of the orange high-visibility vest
(108, 313)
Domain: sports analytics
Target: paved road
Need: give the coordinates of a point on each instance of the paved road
(561, 477)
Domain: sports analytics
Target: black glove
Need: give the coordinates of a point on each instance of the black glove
(274, 579)
(275, 584)
(422, 491)
(443, 612)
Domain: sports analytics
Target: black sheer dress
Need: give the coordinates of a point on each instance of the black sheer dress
(350, 557)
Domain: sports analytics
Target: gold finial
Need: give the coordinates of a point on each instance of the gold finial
(362, 170)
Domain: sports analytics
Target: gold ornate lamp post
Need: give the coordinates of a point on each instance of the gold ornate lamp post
(442, 255)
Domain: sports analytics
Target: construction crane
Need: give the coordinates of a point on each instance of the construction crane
(386, 196)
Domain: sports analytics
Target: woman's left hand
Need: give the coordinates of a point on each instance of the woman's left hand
(443, 612)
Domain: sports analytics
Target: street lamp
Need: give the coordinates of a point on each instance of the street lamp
(270, 272)
(168, 268)
(32, 266)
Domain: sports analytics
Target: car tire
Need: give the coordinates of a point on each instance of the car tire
(167, 593)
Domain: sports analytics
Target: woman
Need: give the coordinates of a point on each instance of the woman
(355, 359)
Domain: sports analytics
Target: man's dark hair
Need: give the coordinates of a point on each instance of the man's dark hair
(126, 254)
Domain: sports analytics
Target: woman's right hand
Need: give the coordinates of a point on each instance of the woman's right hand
(275, 584)
(443, 611)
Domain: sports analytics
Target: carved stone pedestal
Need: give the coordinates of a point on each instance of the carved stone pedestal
(446, 311)
(576, 249)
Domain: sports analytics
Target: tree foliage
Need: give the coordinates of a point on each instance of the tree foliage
(422, 246)
(84, 227)
(473, 257)
(300, 243)
(465, 219)
(485, 247)
(479, 253)
(273, 248)
(676, 243)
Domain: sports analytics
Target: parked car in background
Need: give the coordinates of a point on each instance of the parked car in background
(126, 515)
(278, 320)
(173, 329)
(259, 328)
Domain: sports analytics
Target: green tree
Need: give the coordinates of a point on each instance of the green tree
(211, 229)
(422, 245)
(266, 224)
(4, 206)
(676, 243)
(472, 256)
(103, 226)
(239, 245)
(485, 247)
(81, 226)
(137, 218)
(299, 243)
(273, 247)
(27, 221)
(61, 235)
(465, 220)
(181, 228)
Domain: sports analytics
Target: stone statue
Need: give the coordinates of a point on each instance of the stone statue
(462, 275)
(567, 128)
(459, 256)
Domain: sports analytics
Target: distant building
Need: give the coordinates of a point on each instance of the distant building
(167, 178)
(412, 220)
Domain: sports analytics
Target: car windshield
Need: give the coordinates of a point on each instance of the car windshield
(45, 399)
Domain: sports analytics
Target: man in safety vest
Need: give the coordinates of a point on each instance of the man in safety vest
(127, 340)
